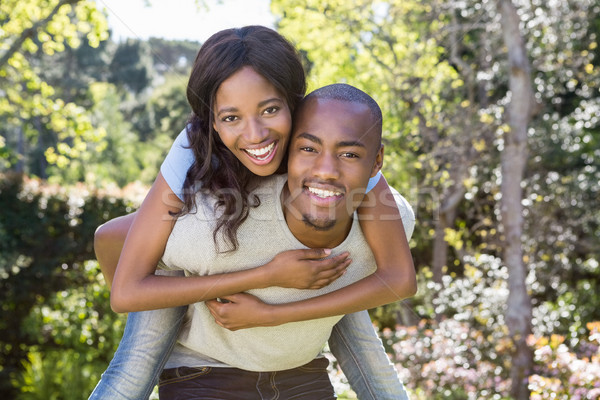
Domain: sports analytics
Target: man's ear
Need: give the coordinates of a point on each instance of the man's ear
(378, 162)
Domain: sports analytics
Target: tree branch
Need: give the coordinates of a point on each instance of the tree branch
(30, 32)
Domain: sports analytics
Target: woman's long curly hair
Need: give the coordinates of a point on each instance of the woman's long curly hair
(216, 169)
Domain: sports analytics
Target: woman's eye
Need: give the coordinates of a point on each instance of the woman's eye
(229, 118)
(271, 110)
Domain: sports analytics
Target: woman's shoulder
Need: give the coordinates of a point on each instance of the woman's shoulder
(175, 166)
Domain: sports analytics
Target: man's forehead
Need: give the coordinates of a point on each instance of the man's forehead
(316, 111)
(328, 102)
(350, 120)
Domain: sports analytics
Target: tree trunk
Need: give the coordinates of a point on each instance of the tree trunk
(20, 167)
(447, 216)
(513, 159)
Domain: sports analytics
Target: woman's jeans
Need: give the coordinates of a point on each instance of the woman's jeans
(307, 382)
(150, 336)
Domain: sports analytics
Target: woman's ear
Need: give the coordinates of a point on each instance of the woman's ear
(378, 162)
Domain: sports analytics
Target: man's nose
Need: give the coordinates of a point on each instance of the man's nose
(326, 166)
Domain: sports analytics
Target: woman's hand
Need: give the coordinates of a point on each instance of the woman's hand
(241, 311)
(306, 268)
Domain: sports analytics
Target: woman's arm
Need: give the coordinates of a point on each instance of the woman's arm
(394, 279)
(136, 288)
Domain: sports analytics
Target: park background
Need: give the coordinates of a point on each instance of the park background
(492, 132)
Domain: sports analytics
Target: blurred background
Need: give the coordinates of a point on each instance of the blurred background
(492, 132)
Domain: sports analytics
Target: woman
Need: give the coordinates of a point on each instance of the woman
(244, 141)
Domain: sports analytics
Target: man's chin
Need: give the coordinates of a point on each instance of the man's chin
(318, 224)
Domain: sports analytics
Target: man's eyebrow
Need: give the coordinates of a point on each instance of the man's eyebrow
(310, 137)
(343, 143)
(351, 143)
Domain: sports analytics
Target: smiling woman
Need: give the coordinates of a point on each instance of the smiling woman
(253, 121)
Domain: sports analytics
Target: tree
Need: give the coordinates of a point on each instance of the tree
(131, 65)
(514, 159)
(28, 104)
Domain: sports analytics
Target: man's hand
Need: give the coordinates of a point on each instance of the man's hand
(306, 268)
(241, 311)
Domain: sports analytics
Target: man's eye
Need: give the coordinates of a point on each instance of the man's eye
(350, 155)
(308, 149)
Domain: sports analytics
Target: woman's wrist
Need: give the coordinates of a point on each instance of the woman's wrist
(272, 315)
(265, 276)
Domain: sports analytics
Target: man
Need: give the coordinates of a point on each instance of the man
(335, 148)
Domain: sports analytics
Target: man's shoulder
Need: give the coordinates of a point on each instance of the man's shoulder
(276, 180)
(269, 188)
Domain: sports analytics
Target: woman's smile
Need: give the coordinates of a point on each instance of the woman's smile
(253, 120)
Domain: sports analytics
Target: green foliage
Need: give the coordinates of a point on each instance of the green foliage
(79, 108)
(57, 374)
(29, 104)
(76, 334)
(131, 65)
(49, 293)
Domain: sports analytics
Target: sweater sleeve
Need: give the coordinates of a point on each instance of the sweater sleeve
(406, 212)
(373, 181)
(175, 166)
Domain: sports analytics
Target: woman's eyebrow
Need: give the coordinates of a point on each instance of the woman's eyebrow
(226, 110)
(265, 102)
(261, 104)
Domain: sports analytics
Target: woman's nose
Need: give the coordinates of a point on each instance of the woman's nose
(256, 132)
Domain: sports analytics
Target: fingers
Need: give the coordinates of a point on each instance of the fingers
(333, 262)
(315, 254)
(325, 277)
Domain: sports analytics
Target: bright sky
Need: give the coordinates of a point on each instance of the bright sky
(182, 19)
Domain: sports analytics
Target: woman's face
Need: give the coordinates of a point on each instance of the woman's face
(253, 120)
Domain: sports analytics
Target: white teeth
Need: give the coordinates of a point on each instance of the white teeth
(323, 193)
(261, 152)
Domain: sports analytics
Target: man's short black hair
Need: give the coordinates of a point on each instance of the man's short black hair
(351, 94)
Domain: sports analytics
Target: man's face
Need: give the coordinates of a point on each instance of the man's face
(332, 155)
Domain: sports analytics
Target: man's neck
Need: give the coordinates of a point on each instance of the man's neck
(311, 236)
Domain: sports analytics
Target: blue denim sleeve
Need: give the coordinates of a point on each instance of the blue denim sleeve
(147, 342)
(361, 355)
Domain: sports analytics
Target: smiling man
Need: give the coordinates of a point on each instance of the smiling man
(335, 148)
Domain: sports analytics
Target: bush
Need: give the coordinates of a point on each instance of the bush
(449, 360)
(564, 373)
(52, 303)
(77, 334)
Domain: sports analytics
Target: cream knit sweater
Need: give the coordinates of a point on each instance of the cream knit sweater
(262, 236)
